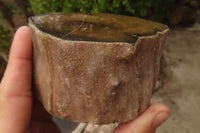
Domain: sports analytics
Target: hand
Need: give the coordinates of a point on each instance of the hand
(18, 113)
(153, 117)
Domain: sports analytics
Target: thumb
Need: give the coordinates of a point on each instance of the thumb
(15, 88)
(153, 117)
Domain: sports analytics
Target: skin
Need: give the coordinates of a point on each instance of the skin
(21, 113)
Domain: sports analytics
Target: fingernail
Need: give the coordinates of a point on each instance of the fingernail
(160, 118)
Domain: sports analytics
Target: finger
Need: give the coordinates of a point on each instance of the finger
(15, 88)
(19, 69)
(147, 122)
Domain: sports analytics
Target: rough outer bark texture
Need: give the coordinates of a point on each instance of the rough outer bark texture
(97, 82)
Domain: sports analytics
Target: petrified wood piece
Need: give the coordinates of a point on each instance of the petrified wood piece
(96, 68)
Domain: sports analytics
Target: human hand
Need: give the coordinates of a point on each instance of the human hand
(152, 118)
(18, 114)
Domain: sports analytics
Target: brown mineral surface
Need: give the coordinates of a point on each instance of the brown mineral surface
(96, 68)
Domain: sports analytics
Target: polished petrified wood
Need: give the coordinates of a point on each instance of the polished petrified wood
(96, 68)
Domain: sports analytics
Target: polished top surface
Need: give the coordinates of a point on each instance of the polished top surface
(98, 27)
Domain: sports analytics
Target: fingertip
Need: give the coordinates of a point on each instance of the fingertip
(162, 113)
(23, 29)
(22, 43)
(21, 32)
(153, 117)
